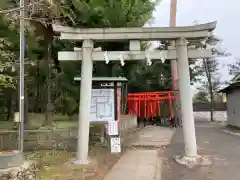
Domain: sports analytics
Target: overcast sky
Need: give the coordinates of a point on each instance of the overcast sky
(227, 14)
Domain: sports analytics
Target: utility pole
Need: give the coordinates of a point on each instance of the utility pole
(21, 84)
(173, 13)
(174, 68)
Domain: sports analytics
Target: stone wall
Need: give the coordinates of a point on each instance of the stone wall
(57, 139)
(128, 122)
(39, 139)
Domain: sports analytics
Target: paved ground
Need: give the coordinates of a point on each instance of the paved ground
(153, 136)
(142, 164)
(221, 148)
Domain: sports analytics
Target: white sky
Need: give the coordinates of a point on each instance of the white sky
(226, 13)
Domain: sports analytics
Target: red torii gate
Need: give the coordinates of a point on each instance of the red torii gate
(148, 104)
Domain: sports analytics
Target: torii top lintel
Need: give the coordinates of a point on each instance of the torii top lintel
(141, 33)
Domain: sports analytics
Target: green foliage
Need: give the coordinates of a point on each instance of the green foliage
(201, 97)
(107, 13)
(48, 82)
(7, 53)
(156, 77)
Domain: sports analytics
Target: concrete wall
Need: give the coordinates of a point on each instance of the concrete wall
(220, 116)
(218, 106)
(233, 108)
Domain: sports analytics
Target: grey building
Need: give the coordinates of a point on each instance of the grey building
(233, 104)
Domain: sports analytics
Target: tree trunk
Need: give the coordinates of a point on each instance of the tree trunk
(48, 87)
(211, 97)
(10, 104)
(48, 54)
(26, 122)
(210, 87)
(37, 100)
(211, 105)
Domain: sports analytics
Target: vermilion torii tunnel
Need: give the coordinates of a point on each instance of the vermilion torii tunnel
(147, 105)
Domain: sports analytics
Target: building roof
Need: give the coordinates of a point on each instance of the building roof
(236, 78)
(231, 87)
(105, 79)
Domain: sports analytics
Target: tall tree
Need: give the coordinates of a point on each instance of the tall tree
(201, 97)
(51, 83)
(210, 69)
(234, 70)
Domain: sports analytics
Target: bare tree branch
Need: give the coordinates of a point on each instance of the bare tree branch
(8, 11)
(15, 9)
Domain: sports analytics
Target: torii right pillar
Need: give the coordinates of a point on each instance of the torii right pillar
(185, 93)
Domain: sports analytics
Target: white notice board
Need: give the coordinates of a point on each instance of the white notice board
(102, 105)
(112, 128)
(115, 143)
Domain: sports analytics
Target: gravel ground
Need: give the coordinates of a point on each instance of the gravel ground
(221, 148)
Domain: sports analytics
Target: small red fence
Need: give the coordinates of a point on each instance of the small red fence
(148, 104)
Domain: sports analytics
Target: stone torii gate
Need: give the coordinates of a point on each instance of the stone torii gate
(87, 54)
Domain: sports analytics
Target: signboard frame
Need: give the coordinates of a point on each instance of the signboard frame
(105, 100)
(108, 82)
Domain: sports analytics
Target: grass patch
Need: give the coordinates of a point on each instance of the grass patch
(36, 121)
(55, 165)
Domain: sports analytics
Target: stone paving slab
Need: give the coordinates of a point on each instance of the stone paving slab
(158, 175)
(136, 165)
(142, 164)
(153, 136)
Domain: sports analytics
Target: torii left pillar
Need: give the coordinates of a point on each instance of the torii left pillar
(85, 103)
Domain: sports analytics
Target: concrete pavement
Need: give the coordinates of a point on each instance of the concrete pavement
(146, 161)
(143, 163)
(136, 165)
(214, 144)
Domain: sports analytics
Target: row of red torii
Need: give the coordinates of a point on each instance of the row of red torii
(179, 37)
(148, 104)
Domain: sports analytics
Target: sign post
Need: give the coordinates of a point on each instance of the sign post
(115, 142)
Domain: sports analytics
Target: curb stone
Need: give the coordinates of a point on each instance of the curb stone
(232, 133)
